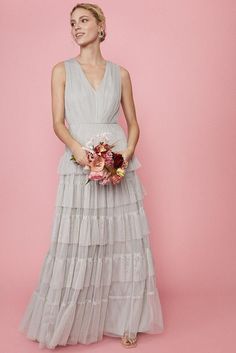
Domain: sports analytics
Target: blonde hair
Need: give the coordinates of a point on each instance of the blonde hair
(96, 11)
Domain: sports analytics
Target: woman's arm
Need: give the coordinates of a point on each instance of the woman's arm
(58, 77)
(128, 106)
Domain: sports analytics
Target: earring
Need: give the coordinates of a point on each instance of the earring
(101, 34)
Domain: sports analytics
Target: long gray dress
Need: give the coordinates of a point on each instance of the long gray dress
(98, 275)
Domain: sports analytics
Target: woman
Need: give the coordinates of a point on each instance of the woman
(98, 276)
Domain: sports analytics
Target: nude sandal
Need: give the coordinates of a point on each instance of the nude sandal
(129, 342)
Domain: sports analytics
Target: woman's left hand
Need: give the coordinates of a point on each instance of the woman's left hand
(127, 154)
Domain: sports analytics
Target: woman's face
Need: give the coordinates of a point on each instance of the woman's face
(84, 28)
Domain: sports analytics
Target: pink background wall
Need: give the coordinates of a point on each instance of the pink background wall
(181, 57)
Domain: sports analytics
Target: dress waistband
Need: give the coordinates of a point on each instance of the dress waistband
(94, 122)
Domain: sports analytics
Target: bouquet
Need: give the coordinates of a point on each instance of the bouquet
(105, 165)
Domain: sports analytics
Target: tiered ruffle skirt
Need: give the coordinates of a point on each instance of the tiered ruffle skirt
(98, 275)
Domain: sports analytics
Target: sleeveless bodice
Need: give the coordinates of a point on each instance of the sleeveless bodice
(90, 111)
(84, 104)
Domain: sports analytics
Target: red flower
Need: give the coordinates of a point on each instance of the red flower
(118, 160)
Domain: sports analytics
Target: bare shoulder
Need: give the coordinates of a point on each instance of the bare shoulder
(58, 71)
(125, 75)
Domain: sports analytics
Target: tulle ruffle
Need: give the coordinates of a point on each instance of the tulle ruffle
(98, 311)
(90, 227)
(74, 193)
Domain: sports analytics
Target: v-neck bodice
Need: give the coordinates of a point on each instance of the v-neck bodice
(89, 112)
(83, 104)
(87, 80)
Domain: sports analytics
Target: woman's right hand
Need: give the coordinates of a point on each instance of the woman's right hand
(80, 156)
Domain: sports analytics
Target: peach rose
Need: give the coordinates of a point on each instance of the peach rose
(97, 164)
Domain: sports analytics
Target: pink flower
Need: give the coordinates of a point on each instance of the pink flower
(108, 156)
(105, 181)
(96, 175)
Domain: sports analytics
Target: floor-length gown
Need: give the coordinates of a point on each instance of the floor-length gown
(98, 275)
